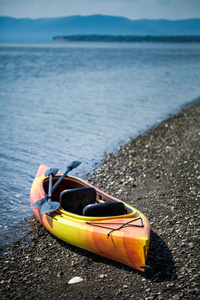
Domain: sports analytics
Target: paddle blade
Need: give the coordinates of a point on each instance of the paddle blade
(39, 203)
(74, 165)
(51, 171)
(47, 208)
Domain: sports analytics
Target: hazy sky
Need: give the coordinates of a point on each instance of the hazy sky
(133, 9)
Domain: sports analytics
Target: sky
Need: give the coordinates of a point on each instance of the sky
(132, 9)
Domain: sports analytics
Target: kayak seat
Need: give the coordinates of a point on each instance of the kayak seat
(74, 200)
(104, 209)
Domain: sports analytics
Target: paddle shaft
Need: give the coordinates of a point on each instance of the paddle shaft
(50, 189)
(61, 178)
(73, 165)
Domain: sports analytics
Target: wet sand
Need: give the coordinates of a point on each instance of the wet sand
(159, 174)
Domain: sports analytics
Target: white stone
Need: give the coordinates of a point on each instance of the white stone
(75, 279)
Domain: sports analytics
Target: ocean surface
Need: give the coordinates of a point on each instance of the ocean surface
(78, 101)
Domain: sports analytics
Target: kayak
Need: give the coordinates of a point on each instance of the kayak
(88, 218)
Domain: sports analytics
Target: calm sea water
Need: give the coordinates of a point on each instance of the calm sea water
(65, 102)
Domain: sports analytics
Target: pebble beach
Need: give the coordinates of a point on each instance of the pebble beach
(158, 173)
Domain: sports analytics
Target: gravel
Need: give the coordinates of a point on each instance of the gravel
(159, 174)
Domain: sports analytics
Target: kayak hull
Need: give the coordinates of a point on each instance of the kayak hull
(123, 238)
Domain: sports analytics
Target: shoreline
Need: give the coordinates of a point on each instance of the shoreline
(158, 172)
(28, 219)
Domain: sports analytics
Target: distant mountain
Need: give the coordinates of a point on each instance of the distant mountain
(44, 29)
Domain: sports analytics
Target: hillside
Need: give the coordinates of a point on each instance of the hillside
(44, 29)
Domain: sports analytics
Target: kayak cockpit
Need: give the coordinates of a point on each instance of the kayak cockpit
(82, 199)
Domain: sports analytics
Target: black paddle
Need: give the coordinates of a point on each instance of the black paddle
(40, 202)
(49, 205)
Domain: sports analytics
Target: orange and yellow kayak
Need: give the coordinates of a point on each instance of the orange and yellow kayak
(93, 220)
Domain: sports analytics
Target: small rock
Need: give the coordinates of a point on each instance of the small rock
(60, 274)
(9, 280)
(46, 269)
(176, 297)
(191, 245)
(38, 258)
